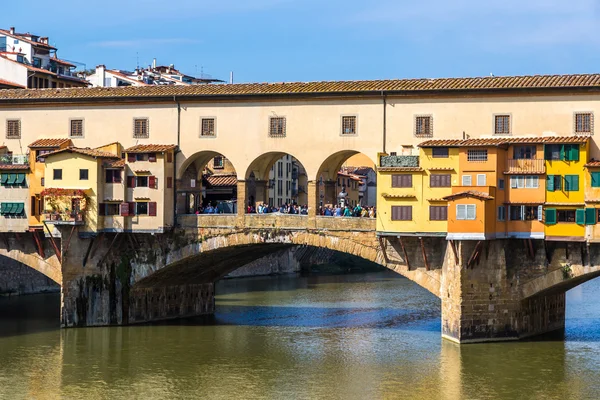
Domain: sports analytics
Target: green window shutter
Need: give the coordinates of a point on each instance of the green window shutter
(11, 179)
(550, 216)
(550, 183)
(580, 216)
(590, 216)
(563, 155)
(20, 179)
(595, 179)
(20, 208)
(4, 178)
(574, 152)
(571, 183)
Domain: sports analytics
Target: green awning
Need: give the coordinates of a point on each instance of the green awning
(12, 209)
(3, 208)
(19, 209)
(12, 178)
(4, 178)
(20, 179)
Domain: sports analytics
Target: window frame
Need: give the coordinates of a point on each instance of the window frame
(477, 155)
(214, 126)
(71, 120)
(397, 181)
(284, 128)
(466, 212)
(147, 126)
(445, 154)
(462, 180)
(495, 121)
(55, 173)
(400, 213)
(19, 128)
(576, 114)
(433, 207)
(440, 178)
(424, 117)
(84, 172)
(351, 116)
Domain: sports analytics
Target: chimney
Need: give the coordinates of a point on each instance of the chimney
(231, 77)
(100, 75)
(12, 30)
(154, 63)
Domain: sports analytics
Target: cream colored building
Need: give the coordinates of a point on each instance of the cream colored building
(321, 124)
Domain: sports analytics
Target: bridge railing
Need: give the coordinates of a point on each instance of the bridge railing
(276, 220)
(346, 223)
(207, 220)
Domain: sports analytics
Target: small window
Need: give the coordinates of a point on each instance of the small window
(501, 184)
(141, 128)
(440, 180)
(141, 156)
(401, 213)
(440, 152)
(424, 126)
(83, 174)
(57, 174)
(141, 181)
(13, 129)
(402, 181)
(501, 213)
(531, 182)
(438, 213)
(595, 178)
(207, 127)
(349, 125)
(524, 152)
(502, 124)
(481, 179)
(466, 211)
(141, 208)
(277, 126)
(565, 215)
(467, 180)
(218, 162)
(113, 176)
(571, 183)
(553, 183)
(76, 130)
(109, 209)
(477, 155)
(584, 123)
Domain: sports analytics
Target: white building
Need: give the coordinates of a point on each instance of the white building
(29, 61)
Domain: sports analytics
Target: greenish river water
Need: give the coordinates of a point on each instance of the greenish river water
(362, 336)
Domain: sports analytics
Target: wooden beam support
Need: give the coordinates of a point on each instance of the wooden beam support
(404, 251)
(474, 255)
(453, 247)
(97, 243)
(109, 247)
(530, 248)
(89, 249)
(382, 243)
(38, 243)
(66, 248)
(53, 242)
(424, 254)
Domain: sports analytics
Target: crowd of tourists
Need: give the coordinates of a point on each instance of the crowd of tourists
(326, 211)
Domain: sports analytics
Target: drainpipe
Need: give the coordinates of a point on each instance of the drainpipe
(384, 118)
(175, 160)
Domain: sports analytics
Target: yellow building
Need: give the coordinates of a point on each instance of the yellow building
(592, 201)
(564, 210)
(411, 189)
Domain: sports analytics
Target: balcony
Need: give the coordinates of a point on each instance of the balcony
(65, 218)
(14, 159)
(525, 166)
(399, 161)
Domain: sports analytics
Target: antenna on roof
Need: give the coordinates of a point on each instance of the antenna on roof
(137, 60)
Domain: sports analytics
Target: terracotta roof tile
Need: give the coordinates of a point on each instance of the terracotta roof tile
(504, 141)
(441, 169)
(221, 180)
(399, 169)
(14, 167)
(150, 148)
(4, 82)
(398, 196)
(85, 152)
(593, 164)
(49, 143)
(400, 86)
(120, 163)
(440, 200)
(470, 193)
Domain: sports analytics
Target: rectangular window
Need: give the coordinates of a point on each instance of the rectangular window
(218, 162)
(501, 184)
(438, 213)
(524, 213)
(113, 176)
(401, 213)
(502, 124)
(141, 156)
(566, 152)
(584, 123)
(466, 211)
(595, 179)
(76, 129)
(515, 213)
(440, 180)
(141, 208)
(553, 183)
(83, 174)
(141, 181)
(501, 213)
(57, 174)
(280, 169)
(207, 127)
(565, 215)
(440, 152)
(13, 129)
(571, 183)
(524, 152)
(349, 125)
(11, 179)
(109, 209)
(531, 182)
(141, 128)
(467, 180)
(402, 181)
(424, 126)
(280, 187)
(277, 126)
(481, 179)
(477, 155)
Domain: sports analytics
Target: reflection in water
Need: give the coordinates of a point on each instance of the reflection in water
(353, 336)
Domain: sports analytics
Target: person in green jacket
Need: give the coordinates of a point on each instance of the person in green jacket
(347, 212)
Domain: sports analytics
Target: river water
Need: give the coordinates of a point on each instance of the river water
(360, 336)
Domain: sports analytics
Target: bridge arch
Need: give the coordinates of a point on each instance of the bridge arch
(49, 267)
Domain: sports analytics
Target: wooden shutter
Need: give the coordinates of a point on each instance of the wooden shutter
(152, 157)
(169, 182)
(124, 209)
(573, 153)
(102, 209)
(580, 216)
(549, 183)
(169, 157)
(590, 216)
(550, 215)
(131, 157)
(152, 182)
(131, 181)
(152, 209)
(131, 208)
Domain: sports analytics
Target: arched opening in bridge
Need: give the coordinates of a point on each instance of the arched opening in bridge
(346, 179)
(17, 278)
(208, 185)
(276, 182)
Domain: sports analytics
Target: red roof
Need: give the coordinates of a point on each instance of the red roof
(221, 180)
(20, 36)
(11, 84)
(122, 75)
(62, 62)
(505, 141)
(49, 143)
(150, 148)
(85, 152)
(469, 193)
(19, 167)
(593, 164)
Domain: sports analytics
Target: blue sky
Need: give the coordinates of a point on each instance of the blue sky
(312, 40)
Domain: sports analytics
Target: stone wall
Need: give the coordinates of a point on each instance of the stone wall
(17, 278)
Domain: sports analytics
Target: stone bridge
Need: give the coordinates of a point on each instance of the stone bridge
(492, 290)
